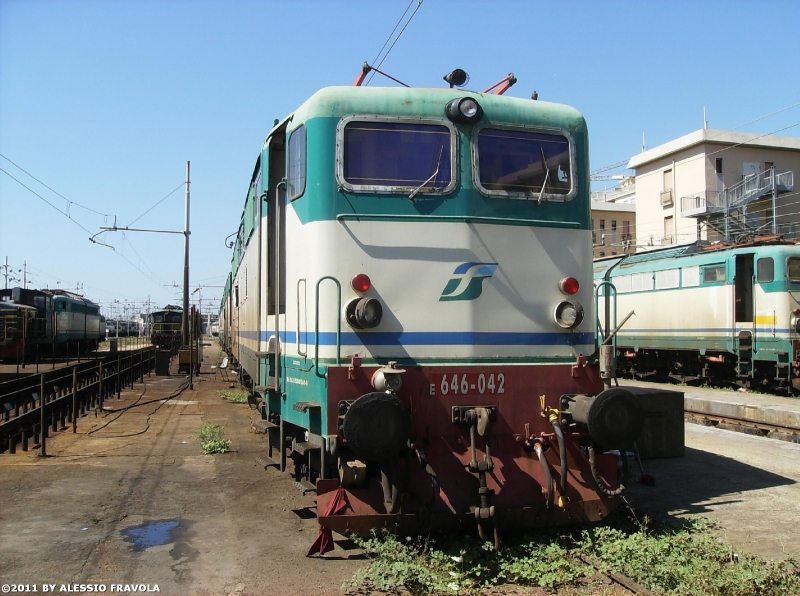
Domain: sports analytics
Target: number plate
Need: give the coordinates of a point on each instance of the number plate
(469, 384)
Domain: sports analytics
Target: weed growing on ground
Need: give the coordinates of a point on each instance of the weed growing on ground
(237, 396)
(210, 437)
(672, 559)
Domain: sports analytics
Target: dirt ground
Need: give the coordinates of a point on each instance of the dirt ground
(221, 524)
(240, 528)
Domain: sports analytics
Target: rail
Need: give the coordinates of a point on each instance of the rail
(758, 425)
(34, 405)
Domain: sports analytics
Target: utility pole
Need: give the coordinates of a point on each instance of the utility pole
(185, 325)
(5, 272)
(24, 274)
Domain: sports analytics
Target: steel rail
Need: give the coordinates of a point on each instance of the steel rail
(620, 579)
(767, 426)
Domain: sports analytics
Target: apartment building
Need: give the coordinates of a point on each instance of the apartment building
(614, 219)
(714, 184)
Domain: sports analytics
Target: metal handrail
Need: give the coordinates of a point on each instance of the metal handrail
(757, 185)
(302, 353)
(338, 325)
(612, 293)
(705, 201)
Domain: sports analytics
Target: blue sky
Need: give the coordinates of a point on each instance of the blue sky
(105, 101)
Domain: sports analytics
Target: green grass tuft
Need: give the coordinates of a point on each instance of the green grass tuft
(237, 396)
(672, 559)
(210, 437)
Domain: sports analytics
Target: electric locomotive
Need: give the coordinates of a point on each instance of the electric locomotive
(411, 298)
(165, 327)
(712, 312)
(51, 319)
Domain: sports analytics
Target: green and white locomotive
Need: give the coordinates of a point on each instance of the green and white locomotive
(411, 298)
(718, 312)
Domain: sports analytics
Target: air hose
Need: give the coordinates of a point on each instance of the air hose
(427, 467)
(547, 475)
(599, 481)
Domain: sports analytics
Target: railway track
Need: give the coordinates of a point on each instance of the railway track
(35, 405)
(760, 428)
(617, 578)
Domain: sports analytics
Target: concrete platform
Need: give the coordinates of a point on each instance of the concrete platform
(753, 407)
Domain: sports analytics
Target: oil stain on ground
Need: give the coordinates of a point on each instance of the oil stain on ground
(151, 534)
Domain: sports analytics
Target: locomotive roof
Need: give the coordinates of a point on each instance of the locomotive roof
(337, 102)
(15, 306)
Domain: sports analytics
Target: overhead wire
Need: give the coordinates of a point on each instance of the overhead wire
(378, 55)
(158, 203)
(65, 214)
(68, 216)
(380, 63)
(722, 132)
(69, 202)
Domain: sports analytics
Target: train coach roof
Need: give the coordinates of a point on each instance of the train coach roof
(337, 102)
(685, 250)
(15, 306)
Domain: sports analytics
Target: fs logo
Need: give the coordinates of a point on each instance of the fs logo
(467, 281)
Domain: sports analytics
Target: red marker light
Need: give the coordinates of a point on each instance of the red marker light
(569, 285)
(361, 282)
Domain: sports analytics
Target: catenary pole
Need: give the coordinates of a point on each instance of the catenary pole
(185, 325)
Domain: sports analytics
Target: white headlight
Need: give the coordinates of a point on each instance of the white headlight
(568, 314)
(468, 108)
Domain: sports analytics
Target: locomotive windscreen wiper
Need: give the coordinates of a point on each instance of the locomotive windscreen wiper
(546, 174)
(416, 191)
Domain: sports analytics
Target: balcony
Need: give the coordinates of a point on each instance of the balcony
(703, 203)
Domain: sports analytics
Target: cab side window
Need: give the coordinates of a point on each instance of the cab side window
(765, 270)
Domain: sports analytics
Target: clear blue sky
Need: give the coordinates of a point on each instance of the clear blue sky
(105, 102)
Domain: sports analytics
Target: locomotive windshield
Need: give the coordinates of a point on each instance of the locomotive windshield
(793, 269)
(166, 317)
(524, 163)
(397, 155)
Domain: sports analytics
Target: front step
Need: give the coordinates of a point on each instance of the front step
(263, 426)
(305, 447)
(304, 486)
(266, 462)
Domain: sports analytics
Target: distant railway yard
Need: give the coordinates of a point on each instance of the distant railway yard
(129, 501)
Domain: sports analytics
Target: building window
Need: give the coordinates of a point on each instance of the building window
(667, 180)
(669, 230)
(719, 166)
(613, 231)
(603, 232)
